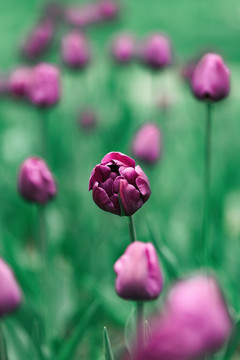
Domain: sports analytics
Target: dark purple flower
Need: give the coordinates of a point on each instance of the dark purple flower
(123, 48)
(156, 51)
(75, 50)
(194, 322)
(38, 40)
(45, 85)
(118, 178)
(139, 277)
(35, 181)
(211, 78)
(20, 81)
(147, 143)
(10, 294)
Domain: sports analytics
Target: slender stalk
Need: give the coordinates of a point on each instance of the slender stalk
(140, 321)
(43, 132)
(132, 230)
(207, 177)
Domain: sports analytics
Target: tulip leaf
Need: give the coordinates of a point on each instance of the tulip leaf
(3, 346)
(147, 332)
(107, 345)
(69, 346)
(233, 341)
(130, 330)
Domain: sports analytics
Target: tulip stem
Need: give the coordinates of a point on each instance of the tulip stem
(43, 133)
(207, 173)
(140, 321)
(132, 230)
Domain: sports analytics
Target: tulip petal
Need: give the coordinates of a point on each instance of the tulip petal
(102, 200)
(117, 156)
(144, 188)
(129, 174)
(130, 198)
(99, 174)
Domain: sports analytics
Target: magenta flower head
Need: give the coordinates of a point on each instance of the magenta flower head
(118, 184)
(123, 48)
(156, 52)
(10, 294)
(20, 81)
(75, 50)
(108, 9)
(45, 85)
(211, 79)
(38, 40)
(147, 144)
(194, 322)
(139, 277)
(35, 181)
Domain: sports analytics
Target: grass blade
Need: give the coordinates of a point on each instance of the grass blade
(107, 345)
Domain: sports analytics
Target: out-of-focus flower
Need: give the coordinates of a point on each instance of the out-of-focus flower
(87, 119)
(20, 81)
(147, 143)
(109, 9)
(35, 181)
(118, 178)
(123, 48)
(139, 277)
(75, 50)
(38, 40)
(194, 322)
(156, 51)
(211, 78)
(10, 294)
(45, 85)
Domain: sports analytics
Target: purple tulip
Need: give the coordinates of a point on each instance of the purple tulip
(194, 322)
(139, 277)
(10, 294)
(156, 52)
(87, 119)
(45, 85)
(211, 78)
(75, 50)
(38, 40)
(123, 48)
(35, 181)
(147, 144)
(117, 177)
(20, 81)
(109, 9)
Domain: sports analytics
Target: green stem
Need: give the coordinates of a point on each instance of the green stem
(43, 132)
(140, 321)
(207, 177)
(132, 230)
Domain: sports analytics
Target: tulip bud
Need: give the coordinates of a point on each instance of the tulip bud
(147, 144)
(87, 119)
(156, 52)
(75, 50)
(10, 294)
(38, 40)
(139, 277)
(35, 181)
(20, 81)
(117, 177)
(123, 48)
(211, 78)
(45, 85)
(194, 322)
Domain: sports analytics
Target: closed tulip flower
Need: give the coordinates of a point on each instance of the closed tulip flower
(123, 48)
(156, 52)
(10, 294)
(45, 85)
(139, 277)
(35, 181)
(147, 143)
(194, 322)
(118, 178)
(75, 50)
(20, 81)
(211, 79)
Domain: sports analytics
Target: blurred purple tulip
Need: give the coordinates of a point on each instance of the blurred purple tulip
(10, 294)
(20, 81)
(147, 143)
(123, 48)
(194, 322)
(45, 85)
(35, 181)
(38, 40)
(139, 277)
(82, 16)
(87, 119)
(75, 50)
(117, 177)
(109, 9)
(211, 78)
(156, 51)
